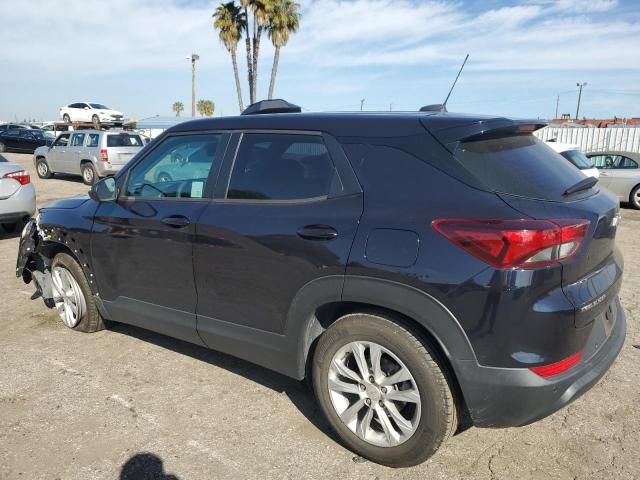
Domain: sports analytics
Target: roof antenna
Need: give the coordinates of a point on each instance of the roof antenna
(443, 108)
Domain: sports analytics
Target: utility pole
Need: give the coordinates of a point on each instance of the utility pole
(390, 106)
(194, 57)
(557, 103)
(361, 104)
(579, 85)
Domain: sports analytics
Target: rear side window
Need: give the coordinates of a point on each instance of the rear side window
(518, 165)
(124, 140)
(577, 158)
(281, 167)
(94, 138)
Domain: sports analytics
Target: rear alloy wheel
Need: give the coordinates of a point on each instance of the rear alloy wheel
(96, 121)
(42, 168)
(382, 390)
(72, 296)
(66, 118)
(89, 174)
(634, 198)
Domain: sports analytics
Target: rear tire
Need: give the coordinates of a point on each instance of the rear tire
(424, 401)
(89, 319)
(66, 118)
(42, 168)
(96, 121)
(89, 174)
(634, 198)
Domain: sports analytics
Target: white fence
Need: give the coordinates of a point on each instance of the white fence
(595, 139)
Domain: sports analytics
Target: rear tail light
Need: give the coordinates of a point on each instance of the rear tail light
(557, 368)
(104, 155)
(21, 177)
(515, 243)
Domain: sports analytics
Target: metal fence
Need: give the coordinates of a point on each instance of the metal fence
(595, 139)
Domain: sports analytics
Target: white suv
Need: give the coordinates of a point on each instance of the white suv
(95, 113)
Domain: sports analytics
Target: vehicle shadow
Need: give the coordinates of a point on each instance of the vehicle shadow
(145, 466)
(68, 177)
(299, 393)
(11, 233)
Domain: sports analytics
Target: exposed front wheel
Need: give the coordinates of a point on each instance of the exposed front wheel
(72, 295)
(89, 174)
(42, 168)
(634, 198)
(382, 390)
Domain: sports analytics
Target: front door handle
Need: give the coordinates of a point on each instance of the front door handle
(318, 232)
(604, 174)
(176, 221)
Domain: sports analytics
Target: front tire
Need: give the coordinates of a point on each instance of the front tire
(42, 168)
(382, 390)
(634, 198)
(72, 296)
(89, 174)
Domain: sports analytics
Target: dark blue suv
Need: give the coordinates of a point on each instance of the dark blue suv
(422, 270)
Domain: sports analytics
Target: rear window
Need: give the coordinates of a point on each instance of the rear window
(121, 140)
(578, 159)
(518, 165)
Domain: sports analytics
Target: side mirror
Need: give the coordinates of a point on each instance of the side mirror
(104, 190)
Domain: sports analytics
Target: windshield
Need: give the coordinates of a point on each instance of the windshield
(578, 159)
(99, 106)
(518, 165)
(124, 140)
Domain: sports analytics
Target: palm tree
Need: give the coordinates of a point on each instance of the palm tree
(231, 22)
(178, 107)
(261, 10)
(205, 108)
(285, 20)
(245, 7)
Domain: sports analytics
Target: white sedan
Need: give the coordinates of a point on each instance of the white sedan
(576, 157)
(95, 113)
(17, 195)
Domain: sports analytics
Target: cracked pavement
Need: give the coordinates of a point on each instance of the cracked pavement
(77, 406)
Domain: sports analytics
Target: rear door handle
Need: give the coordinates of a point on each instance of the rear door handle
(176, 221)
(318, 232)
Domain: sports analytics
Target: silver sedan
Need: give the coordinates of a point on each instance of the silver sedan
(620, 173)
(17, 195)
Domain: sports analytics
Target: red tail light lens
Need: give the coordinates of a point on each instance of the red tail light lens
(515, 243)
(558, 367)
(104, 155)
(21, 176)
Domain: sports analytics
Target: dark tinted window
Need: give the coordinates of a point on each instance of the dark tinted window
(124, 140)
(13, 132)
(26, 133)
(577, 158)
(77, 105)
(99, 106)
(626, 162)
(281, 167)
(518, 165)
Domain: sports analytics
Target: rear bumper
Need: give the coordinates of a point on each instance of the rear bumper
(19, 205)
(104, 170)
(512, 397)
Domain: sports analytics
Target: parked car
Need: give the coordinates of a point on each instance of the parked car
(89, 153)
(576, 157)
(9, 126)
(53, 129)
(95, 113)
(17, 195)
(417, 268)
(22, 140)
(620, 173)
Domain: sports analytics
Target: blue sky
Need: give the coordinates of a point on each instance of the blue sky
(398, 54)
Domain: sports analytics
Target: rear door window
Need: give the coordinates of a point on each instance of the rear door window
(124, 140)
(272, 166)
(77, 140)
(93, 140)
(577, 158)
(518, 165)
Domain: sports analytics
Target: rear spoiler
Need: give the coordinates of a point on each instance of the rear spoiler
(483, 129)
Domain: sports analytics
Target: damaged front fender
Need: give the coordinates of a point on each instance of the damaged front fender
(30, 265)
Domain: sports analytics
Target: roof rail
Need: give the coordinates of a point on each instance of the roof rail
(436, 107)
(271, 106)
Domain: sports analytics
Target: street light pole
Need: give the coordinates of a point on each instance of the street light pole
(579, 85)
(361, 104)
(194, 57)
(557, 103)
